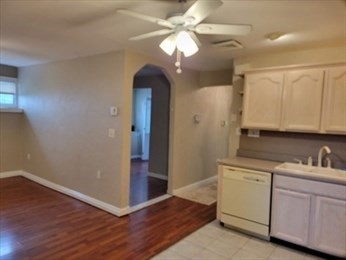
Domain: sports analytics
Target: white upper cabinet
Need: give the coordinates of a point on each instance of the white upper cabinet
(306, 99)
(303, 100)
(263, 101)
(334, 107)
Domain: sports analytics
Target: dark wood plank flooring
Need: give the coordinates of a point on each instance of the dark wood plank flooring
(142, 186)
(39, 223)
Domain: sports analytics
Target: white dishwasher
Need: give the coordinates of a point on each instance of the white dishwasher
(245, 200)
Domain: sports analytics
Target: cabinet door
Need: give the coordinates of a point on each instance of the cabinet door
(329, 228)
(303, 100)
(334, 107)
(290, 216)
(262, 101)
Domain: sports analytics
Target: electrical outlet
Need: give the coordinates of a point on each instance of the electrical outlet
(253, 133)
(113, 111)
(98, 175)
(28, 156)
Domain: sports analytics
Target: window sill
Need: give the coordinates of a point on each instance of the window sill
(11, 110)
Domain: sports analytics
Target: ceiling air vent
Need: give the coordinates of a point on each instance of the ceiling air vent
(229, 44)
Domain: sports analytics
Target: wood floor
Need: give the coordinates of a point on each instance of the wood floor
(142, 186)
(39, 223)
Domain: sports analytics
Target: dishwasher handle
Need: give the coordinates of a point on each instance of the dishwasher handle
(262, 178)
(248, 178)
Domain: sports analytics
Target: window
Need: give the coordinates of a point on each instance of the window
(8, 92)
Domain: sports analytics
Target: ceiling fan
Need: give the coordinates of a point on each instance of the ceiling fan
(181, 28)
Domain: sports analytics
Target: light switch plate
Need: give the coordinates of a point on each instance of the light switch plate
(111, 132)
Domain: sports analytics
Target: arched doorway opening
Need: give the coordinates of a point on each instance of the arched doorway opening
(149, 135)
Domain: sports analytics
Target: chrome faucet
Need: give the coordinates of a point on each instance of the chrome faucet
(323, 148)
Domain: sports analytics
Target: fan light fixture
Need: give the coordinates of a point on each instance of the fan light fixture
(169, 44)
(183, 42)
(182, 27)
(186, 44)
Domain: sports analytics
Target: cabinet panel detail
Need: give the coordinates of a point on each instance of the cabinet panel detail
(334, 116)
(303, 100)
(263, 101)
(329, 233)
(290, 216)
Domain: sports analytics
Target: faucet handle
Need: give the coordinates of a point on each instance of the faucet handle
(298, 161)
(310, 161)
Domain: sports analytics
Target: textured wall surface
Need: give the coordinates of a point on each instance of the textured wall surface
(11, 141)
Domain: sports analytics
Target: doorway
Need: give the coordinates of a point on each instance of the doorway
(149, 135)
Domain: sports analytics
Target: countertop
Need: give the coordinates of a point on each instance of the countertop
(249, 163)
(269, 166)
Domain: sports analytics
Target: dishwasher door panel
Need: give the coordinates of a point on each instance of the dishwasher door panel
(246, 195)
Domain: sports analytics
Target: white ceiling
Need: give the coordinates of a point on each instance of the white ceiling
(40, 31)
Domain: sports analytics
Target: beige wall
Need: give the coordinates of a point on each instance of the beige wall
(66, 124)
(11, 141)
(67, 118)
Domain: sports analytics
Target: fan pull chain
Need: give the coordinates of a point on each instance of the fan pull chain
(178, 62)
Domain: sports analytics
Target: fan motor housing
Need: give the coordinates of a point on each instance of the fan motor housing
(179, 19)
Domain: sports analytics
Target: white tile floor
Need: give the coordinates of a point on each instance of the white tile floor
(215, 242)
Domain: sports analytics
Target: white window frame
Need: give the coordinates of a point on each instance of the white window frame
(15, 80)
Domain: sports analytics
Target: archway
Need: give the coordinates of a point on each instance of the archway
(149, 135)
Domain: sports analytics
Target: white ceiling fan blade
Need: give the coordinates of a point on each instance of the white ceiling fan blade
(201, 9)
(147, 18)
(151, 34)
(195, 38)
(223, 29)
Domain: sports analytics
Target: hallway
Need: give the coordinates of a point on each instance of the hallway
(142, 186)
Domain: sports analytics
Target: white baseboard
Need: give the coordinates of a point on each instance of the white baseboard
(149, 202)
(9, 174)
(74, 194)
(158, 176)
(195, 185)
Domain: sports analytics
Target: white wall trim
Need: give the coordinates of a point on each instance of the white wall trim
(148, 203)
(158, 176)
(195, 185)
(74, 194)
(10, 174)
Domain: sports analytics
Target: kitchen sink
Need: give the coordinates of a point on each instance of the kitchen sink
(305, 170)
(334, 172)
(294, 167)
